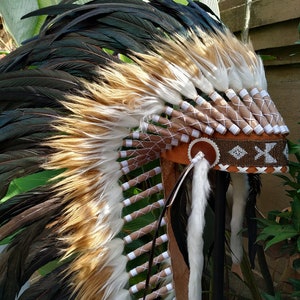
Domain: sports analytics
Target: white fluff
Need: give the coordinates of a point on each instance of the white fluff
(260, 75)
(245, 74)
(165, 93)
(182, 83)
(203, 84)
(119, 277)
(196, 223)
(234, 80)
(217, 75)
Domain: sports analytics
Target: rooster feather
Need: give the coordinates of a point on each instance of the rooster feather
(71, 107)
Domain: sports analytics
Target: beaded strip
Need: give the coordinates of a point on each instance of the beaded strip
(153, 280)
(160, 292)
(205, 107)
(147, 247)
(158, 204)
(243, 110)
(177, 115)
(144, 267)
(143, 231)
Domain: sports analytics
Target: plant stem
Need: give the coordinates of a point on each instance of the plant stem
(265, 270)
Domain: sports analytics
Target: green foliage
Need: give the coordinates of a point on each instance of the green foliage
(284, 227)
(184, 2)
(268, 57)
(277, 296)
(13, 10)
(298, 42)
(27, 183)
(296, 286)
(249, 279)
(22, 29)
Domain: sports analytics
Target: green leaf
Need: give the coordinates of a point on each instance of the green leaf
(293, 147)
(249, 277)
(49, 267)
(268, 57)
(27, 183)
(266, 222)
(125, 58)
(13, 10)
(184, 2)
(273, 230)
(295, 283)
(8, 239)
(296, 264)
(284, 216)
(271, 297)
(281, 237)
(296, 214)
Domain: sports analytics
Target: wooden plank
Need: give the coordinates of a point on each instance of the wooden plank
(229, 4)
(282, 56)
(284, 88)
(275, 35)
(263, 12)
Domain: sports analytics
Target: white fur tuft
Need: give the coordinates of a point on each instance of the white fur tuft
(182, 82)
(196, 223)
(240, 190)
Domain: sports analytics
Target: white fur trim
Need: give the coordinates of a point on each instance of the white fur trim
(196, 224)
(240, 191)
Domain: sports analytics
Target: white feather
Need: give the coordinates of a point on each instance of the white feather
(183, 83)
(23, 289)
(203, 84)
(213, 5)
(260, 73)
(217, 75)
(234, 80)
(245, 74)
(167, 94)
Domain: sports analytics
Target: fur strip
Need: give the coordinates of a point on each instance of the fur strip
(196, 223)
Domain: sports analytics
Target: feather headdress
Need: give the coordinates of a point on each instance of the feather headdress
(138, 113)
(187, 100)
